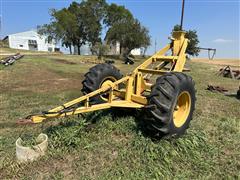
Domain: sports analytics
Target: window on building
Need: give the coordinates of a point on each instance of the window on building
(20, 45)
(32, 45)
(49, 40)
(32, 42)
(57, 49)
(50, 49)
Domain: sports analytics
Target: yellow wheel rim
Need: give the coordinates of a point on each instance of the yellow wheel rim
(182, 109)
(107, 82)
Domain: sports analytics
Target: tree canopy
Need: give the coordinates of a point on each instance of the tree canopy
(84, 22)
(130, 36)
(125, 29)
(117, 14)
(192, 49)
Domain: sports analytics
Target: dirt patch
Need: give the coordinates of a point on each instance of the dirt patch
(77, 60)
(221, 62)
(64, 61)
(39, 80)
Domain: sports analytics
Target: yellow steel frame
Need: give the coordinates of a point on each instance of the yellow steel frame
(136, 83)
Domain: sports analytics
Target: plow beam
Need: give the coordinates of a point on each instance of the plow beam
(80, 110)
(117, 98)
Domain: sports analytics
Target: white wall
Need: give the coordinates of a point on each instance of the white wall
(136, 52)
(20, 41)
(17, 42)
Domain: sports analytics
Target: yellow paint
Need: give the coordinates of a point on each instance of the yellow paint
(151, 71)
(182, 109)
(138, 86)
(139, 99)
(150, 60)
(182, 56)
(38, 118)
(107, 82)
(129, 89)
(126, 104)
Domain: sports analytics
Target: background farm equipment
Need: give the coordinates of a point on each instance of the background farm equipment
(11, 59)
(228, 71)
(129, 59)
(211, 52)
(238, 93)
(216, 89)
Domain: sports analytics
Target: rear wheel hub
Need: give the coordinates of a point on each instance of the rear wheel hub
(182, 109)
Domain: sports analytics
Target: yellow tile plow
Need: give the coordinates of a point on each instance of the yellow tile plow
(169, 103)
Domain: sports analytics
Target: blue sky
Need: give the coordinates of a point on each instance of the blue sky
(217, 21)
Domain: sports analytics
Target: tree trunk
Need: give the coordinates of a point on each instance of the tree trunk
(120, 49)
(79, 51)
(93, 51)
(128, 52)
(144, 52)
(70, 49)
(124, 53)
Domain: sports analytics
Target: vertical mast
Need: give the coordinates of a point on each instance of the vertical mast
(181, 25)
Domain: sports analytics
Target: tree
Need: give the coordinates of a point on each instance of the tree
(130, 36)
(79, 34)
(93, 12)
(63, 28)
(100, 49)
(117, 15)
(82, 22)
(192, 49)
(67, 43)
(52, 31)
(123, 28)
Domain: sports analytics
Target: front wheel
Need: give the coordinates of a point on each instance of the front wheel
(173, 101)
(99, 76)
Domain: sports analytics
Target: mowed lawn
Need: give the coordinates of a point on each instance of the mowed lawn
(104, 145)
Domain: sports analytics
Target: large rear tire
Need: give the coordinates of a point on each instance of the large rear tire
(97, 77)
(173, 101)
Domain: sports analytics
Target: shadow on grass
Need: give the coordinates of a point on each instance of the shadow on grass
(142, 125)
(11, 125)
(145, 128)
(68, 132)
(235, 96)
(84, 123)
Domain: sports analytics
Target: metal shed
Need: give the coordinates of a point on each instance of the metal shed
(30, 40)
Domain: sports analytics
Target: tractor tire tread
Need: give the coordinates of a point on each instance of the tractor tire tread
(164, 96)
(94, 78)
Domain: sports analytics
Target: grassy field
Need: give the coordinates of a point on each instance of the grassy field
(106, 146)
(5, 52)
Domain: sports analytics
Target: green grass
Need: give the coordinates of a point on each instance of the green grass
(11, 50)
(105, 146)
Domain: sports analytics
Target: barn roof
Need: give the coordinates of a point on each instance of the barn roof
(5, 38)
(25, 33)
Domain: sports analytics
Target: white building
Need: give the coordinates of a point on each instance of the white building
(115, 50)
(137, 52)
(30, 40)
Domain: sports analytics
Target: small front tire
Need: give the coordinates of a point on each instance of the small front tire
(97, 77)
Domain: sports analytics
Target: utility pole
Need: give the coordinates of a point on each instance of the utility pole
(181, 25)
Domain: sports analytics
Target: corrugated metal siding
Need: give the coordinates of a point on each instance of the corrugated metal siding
(20, 41)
